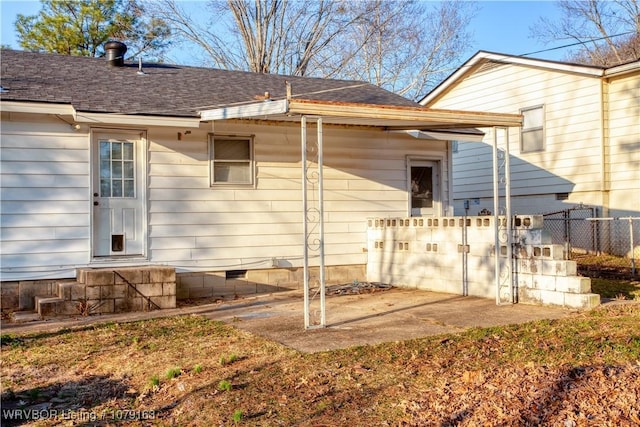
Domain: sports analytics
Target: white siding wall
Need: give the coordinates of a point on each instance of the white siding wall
(44, 198)
(624, 143)
(197, 227)
(571, 160)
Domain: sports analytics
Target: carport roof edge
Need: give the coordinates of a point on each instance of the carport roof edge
(386, 116)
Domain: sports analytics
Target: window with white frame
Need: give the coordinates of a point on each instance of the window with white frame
(532, 132)
(231, 160)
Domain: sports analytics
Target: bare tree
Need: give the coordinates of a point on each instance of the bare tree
(403, 46)
(265, 36)
(606, 32)
(406, 46)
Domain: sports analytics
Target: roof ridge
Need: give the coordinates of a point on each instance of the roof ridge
(151, 64)
(91, 85)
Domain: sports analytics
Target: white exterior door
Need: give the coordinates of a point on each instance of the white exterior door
(119, 228)
(424, 188)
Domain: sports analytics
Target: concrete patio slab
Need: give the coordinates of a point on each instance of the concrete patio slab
(395, 315)
(351, 320)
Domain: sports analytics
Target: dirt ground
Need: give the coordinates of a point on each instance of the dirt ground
(389, 358)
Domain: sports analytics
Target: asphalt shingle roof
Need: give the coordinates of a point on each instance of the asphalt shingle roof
(91, 85)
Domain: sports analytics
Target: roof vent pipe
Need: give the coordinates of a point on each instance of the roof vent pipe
(115, 53)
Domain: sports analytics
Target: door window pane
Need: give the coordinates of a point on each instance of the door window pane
(421, 187)
(127, 151)
(128, 170)
(128, 188)
(116, 150)
(117, 169)
(105, 187)
(105, 150)
(116, 188)
(105, 169)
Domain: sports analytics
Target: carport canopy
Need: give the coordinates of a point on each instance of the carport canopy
(419, 122)
(386, 116)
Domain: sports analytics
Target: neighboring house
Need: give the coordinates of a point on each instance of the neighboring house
(580, 140)
(105, 164)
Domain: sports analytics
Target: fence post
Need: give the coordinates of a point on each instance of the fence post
(633, 253)
(594, 214)
(567, 232)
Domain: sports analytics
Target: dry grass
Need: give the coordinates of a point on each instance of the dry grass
(616, 289)
(605, 266)
(583, 370)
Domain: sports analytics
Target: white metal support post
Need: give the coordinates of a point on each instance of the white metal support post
(632, 248)
(504, 279)
(313, 223)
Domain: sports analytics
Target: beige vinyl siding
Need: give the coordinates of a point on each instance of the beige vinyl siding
(624, 144)
(47, 202)
(196, 227)
(570, 161)
(44, 197)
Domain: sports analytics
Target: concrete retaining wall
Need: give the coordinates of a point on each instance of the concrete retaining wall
(457, 255)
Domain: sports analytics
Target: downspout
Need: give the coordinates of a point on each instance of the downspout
(449, 186)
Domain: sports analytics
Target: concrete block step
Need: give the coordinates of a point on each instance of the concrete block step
(24, 316)
(46, 306)
(581, 301)
(53, 306)
(72, 291)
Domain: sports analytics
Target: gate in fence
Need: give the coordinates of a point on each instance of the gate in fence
(601, 246)
(569, 228)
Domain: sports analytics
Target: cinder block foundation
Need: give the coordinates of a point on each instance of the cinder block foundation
(216, 285)
(97, 291)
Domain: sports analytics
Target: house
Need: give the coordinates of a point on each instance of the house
(579, 143)
(224, 176)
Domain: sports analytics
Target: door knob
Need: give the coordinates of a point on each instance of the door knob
(95, 203)
(95, 194)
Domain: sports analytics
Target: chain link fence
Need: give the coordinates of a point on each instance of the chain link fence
(602, 247)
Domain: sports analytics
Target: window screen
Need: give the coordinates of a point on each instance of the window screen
(231, 160)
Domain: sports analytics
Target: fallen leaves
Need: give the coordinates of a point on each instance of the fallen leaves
(566, 395)
(583, 371)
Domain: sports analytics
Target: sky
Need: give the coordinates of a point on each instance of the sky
(500, 26)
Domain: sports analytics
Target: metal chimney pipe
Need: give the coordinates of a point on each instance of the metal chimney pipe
(115, 53)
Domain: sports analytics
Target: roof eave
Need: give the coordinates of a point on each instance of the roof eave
(136, 120)
(252, 110)
(622, 69)
(92, 118)
(481, 57)
(38, 108)
(386, 116)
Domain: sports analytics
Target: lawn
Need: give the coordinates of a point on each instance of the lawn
(578, 371)
(616, 289)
